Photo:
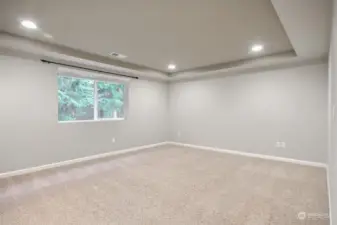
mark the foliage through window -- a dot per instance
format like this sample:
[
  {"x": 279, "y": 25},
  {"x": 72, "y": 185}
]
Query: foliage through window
[
  {"x": 88, "y": 99},
  {"x": 110, "y": 100}
]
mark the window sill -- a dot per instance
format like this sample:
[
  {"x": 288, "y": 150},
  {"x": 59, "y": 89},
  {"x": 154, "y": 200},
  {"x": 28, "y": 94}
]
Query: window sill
[{"x": 92, "y": 121}]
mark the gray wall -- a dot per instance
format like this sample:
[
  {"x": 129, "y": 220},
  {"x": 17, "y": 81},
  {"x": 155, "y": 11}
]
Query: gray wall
[
  {"x": 250, "y": 112},
  {"x": 333, "y": 118},
  {"x": 247, "y": 112},
  {"x": 30, "y": 135}
]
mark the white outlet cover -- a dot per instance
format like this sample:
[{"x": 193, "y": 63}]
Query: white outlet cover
[{"x": 113, "y": 140}]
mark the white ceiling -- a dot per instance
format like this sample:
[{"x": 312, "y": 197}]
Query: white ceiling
[
  {"x": 154, "y": 33},
  {"x": 308, "y": 25}
]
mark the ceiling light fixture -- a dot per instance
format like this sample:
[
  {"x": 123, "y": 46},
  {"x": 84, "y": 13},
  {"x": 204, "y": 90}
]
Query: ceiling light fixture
[
  {"x": 257, "y": 48},
  {"x": 171, "y": 66},
  {"x": 29, "y": 24}
]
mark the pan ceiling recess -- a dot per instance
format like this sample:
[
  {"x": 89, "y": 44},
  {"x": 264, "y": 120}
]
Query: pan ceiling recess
[{"x": 194, "y": 34}]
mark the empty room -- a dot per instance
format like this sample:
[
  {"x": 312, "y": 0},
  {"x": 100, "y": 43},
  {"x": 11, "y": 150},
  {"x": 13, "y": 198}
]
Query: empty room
[{"x": 143, "y": 112}]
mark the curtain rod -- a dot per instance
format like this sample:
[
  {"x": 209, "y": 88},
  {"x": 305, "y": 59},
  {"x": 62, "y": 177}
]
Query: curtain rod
[{"x": 84, "y": 68}]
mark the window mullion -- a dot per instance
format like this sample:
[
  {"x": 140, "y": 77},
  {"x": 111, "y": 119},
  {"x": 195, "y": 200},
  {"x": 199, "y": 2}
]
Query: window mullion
[{"x": 95, "y": 101}]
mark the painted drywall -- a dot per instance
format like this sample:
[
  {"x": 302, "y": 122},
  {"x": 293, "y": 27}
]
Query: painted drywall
[
  {"x": 333, "y": 118},
  {"x": 31, "y": 136},
  {"x": 247, "y": 112},
  {"x": 251, "y": 112}
]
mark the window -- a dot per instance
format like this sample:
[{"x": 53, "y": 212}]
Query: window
[
  {"x": 84, "y": 99},
  {"x": 110, "y": 97}
]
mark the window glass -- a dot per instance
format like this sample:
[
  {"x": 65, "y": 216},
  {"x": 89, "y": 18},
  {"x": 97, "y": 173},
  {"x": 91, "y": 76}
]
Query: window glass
[
  {"x": 75, "y": 98},
  {"x": 110, "y": 100},
  {"x": 89, "y": 99}
]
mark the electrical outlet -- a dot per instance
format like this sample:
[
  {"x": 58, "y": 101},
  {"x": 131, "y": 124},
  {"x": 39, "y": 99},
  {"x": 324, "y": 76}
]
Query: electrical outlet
[
  {"x": 113, "y": 140},
  {"x": 280, "y": 144},
  {"x": 179, "y": 134}
]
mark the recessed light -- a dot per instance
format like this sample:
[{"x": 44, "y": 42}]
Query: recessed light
[
  {"x": 29, "y": 24},
  {"x": 257, "y": 48},
  {"x": 171, "y": 66}
]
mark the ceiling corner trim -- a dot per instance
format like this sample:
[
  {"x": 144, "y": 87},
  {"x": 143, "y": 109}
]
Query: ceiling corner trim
[
  {"x": 38, "y": 50},
  {"x": 251, "y": 67}
]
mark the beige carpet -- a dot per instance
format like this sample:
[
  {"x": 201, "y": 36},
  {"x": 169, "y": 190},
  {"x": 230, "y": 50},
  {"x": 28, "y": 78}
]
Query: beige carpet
[{"x": 169, "y": 185}]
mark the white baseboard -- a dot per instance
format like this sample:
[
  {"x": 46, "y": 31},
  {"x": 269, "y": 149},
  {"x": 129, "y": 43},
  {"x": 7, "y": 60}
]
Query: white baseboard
[
  {"x": 329, "y": 193},
  {"x": 139, "y": 148},
  {"x": 254, "y": 155},
  {"x": 78, "y": 160}
]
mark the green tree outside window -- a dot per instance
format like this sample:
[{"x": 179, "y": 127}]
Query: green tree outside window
[
  {"x": 76, "y": 99},
  {"x": 110, "y": 100}
]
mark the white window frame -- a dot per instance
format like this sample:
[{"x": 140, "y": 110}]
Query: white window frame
[{"x": 95, "y": 76}]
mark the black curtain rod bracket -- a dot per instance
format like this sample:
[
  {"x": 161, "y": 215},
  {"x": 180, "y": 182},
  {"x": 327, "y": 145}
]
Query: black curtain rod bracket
[{"x": 93, "y": 70}]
